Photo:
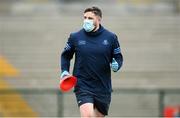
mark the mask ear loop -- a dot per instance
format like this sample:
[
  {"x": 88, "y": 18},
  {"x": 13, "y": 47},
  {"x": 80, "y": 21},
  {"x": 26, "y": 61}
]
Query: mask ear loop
[
  {"x": 94, "y": 26},
  {"x": 99, "y": 19}
]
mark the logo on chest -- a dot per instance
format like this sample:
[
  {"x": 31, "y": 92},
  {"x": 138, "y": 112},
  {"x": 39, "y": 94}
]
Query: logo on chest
[
  {"x": 105, "y": 42},
  {"x": 81, "y": 42}
]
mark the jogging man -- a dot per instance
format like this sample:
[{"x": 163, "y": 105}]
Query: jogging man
[{"x": 96, "y": 50}]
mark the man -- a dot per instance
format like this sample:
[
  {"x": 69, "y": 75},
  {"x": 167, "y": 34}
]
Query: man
[{"x": 96, "y": 51}]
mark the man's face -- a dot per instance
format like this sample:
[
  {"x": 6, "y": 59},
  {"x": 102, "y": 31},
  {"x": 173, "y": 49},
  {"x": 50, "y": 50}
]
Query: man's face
[{"x": 92, "y": 16}]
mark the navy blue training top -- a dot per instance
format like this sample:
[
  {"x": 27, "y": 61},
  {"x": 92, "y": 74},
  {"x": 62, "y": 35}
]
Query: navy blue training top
[{"x": 93, "y": 54}]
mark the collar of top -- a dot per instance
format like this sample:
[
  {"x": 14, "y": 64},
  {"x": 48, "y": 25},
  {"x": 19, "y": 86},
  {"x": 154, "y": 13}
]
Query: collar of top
[{"x": 97, "y": 32}]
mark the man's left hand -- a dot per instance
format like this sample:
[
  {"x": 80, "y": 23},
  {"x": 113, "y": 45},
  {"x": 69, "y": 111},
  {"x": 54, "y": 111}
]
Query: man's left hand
[{"x": 114, "y": 65}]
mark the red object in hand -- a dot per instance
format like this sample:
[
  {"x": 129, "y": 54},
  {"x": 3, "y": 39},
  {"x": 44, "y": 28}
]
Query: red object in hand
[
  {"x": 67, "y": 83},
  {"x": 171, "y": 111}
]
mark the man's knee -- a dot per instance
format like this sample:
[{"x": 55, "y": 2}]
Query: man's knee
[{"x": 87, "y": 110}]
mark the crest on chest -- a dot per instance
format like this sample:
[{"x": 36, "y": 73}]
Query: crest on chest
[{"x": 105, "y": 42}]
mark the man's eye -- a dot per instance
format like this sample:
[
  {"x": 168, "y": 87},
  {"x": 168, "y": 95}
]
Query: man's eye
[{"x": 90, "y": 18}]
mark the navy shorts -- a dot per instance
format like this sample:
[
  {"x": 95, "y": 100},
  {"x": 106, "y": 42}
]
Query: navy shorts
[{"x": 101, "y": 102}]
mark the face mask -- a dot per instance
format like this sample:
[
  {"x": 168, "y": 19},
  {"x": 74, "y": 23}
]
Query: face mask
[{"x": 88, "y": 25}]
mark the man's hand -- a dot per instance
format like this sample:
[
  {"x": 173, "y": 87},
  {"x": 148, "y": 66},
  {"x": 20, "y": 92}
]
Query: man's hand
[
  {"x": 114, "y": 65},
  {"x": 64, "y": 73}
]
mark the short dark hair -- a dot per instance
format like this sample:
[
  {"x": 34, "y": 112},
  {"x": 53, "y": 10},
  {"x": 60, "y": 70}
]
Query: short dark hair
[{"x": 94, "y": 10}]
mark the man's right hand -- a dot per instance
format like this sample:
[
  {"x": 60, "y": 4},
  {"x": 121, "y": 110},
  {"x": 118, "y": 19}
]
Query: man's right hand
[{"x": 64, "y": 73}]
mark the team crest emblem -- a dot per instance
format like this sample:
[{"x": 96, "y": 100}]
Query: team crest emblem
[{"x": 105, "y": 42}]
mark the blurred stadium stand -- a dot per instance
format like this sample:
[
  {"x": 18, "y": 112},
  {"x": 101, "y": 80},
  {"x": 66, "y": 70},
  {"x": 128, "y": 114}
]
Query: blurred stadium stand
[{"x": 33, "y": 34}]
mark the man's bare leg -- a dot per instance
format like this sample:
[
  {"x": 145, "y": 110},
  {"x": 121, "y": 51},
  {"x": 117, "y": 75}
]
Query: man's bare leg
[{"x": 87, "y": 110}]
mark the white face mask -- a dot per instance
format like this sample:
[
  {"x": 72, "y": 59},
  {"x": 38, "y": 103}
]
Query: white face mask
[{"x": 88, "y": 25}]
